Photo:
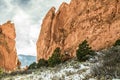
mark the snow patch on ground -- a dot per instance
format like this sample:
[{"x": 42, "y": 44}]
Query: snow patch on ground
[{"x": 70, "y": 70}]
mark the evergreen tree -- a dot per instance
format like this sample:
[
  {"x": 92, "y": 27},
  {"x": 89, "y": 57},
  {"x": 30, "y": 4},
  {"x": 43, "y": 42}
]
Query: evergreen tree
[
  {"x": 117, "y": 43},
  {"x": 84, "y": 51},
  {"x": 55, "y": 58},
  {"x": 42, "y": 62},
  {"x": 33, "y": 66}
]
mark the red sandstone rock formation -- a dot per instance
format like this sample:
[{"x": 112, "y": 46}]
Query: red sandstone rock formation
[
  {"x": 8, "y": 56},
  {"x": 97, "y": 21}
]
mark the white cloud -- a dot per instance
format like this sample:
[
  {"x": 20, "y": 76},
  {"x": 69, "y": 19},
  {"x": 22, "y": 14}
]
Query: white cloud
[{"x": 27, "y": 18}]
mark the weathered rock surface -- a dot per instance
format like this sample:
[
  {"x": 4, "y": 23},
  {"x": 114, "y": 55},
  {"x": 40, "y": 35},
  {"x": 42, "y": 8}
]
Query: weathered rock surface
[
  {"x": 97, "y": 21},
  {"x": 8, "y": 55}
]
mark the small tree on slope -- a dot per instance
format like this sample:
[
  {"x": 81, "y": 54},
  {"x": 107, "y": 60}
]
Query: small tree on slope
[
  {"x": 55, "y": 58},
  {"x": 84, "y": 51}
]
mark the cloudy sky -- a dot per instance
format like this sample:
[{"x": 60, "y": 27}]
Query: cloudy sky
[{"x": 27, "y": 16}]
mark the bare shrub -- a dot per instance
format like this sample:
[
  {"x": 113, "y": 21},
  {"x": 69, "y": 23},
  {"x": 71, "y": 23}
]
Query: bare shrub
[{"x": 109, "y": 64}]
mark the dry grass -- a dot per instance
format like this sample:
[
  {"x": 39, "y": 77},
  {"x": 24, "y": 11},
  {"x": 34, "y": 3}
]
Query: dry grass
[{"x": 109, "y": 64}]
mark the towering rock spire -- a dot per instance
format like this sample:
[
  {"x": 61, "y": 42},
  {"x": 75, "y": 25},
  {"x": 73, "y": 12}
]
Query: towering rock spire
[
  {"x": 8, "y": 55},
  {"x": 97, "y": 21}
]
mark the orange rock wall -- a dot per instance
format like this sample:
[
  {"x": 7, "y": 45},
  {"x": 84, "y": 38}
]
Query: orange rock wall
[
  {"x": 8, "y": 55},
  {"x": 97, "y": 21}
]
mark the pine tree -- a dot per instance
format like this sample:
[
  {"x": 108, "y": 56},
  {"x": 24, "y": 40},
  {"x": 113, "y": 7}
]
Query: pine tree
[
  {"x": 42, "y": 62},
  {"x": 84, "y": 51},
  {"x": 55, "y": 58},
  {"x": 117, "y": 43}
]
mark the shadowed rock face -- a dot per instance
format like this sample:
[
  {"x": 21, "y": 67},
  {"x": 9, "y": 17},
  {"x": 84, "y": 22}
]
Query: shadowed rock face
[
  {"x": 8, "y": 56},
  {"x": 97, "y": 21}
]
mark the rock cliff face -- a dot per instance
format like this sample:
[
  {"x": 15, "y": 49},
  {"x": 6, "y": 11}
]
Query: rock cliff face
[
  {"x": 97, "y": 21},
  {"x": 8, "y": 56}
]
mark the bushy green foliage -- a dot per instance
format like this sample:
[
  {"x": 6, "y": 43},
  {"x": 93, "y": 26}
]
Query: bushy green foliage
[
  {"x": 42, "y": 62},
  {"x": 55, "y": 58},
  {"x": 84, "y": 51},
  {"x": 52, "y": 61},
  {"x": 33, "y": 66},
  {"x": 1, "y": 71},
  {"x": 117, "y": 43}
]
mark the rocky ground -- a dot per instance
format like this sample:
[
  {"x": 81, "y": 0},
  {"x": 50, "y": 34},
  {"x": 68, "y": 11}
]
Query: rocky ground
[{"x": 70, "y": 70}]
